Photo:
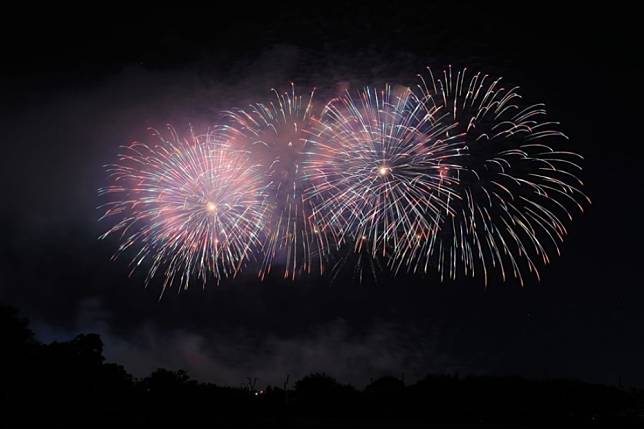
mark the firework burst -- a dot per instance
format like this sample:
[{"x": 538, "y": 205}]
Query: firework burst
[
  {"x": 458, "y": 176},
  {"x": 517, "y": 188},
  {"x": 189, "y": 207},
  {"x": 377, "y": 170},
  {"x": 276, "y": 135}
]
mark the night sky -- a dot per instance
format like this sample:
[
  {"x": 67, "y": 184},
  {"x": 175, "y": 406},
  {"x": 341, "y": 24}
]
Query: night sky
[{"x": 75, "y": 85}]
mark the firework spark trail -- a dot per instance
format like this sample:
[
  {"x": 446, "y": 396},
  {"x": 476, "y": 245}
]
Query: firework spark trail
[
  {"x": 191, "y": 206},
  {"x": 276, "y": 135},
  {"x": 376, "y": 170},
  {"x": 518, "y": 189}
]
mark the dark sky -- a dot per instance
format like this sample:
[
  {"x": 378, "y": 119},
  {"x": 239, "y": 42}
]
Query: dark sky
[{"x": 77, "y": 84}]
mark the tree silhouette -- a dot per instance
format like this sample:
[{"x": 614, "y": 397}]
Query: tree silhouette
[
  {"x": 69, "y": 384},
  {"x": 385, "y": 386}
]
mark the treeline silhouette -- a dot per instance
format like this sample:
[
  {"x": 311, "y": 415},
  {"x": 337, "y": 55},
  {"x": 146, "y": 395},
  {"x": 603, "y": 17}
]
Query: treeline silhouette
[{"x": 69, "y": 384}]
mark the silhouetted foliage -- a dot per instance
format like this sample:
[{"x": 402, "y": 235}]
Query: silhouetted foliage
[
  {"x": 320, "y": 394},
  {"x": 70, "y": 384},
  {"x": 385, "y": 386}
]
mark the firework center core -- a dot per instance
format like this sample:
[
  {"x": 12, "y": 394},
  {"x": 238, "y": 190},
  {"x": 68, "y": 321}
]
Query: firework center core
[
  {"x": 383, "y": 170},
  {"x": 211, "y": 207}
]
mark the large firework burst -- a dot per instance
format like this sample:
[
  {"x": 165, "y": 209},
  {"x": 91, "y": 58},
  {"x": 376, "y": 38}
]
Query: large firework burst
[
  {"x": 458, "y": 176},
  {"x": 378, "y": 169},
  {"x": 187, "y": 206},
  {"x": 517, "y": 187},
  {"x": 276, "y": 134}
]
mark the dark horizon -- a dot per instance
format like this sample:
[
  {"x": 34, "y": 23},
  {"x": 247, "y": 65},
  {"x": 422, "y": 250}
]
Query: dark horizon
[
  {"x": 75, "y": 89},
  {"x": 52, "y": 376}
]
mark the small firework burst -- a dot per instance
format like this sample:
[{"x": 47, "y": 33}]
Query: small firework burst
[
  {"x": 276, "y": 135},
  {"x": 516, "y": 187},
  {"x": 187, "y": 206},
  {"x": 377, "y": 170}
]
